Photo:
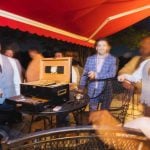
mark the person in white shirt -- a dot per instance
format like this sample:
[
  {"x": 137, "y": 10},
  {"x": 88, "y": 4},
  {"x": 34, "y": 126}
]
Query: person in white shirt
[
  {"x": 141, "y": 74},
  {"x": 63, "y": 119},
  {"x": 18, "y": 71},
  {"x": 7, "y": 89},
  {"x": 75, "y": 72},
  {"x": 17, "y": 76},
  {"x": 7, "y": 86},
  {"x": 136, "y": 76}
]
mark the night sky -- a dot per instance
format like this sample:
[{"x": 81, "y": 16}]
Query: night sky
[
  {"x": 144, "y": 24},
  {"x": 120, "y": 49}
]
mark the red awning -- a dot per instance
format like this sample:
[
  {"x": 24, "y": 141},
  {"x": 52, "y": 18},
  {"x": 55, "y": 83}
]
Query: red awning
[{"x": 76, "y": 21}]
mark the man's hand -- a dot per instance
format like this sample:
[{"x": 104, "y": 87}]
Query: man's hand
[
  {"x": 127, "y": 85},
  {"x": 91, "y": 75},
  {"x": 121, "y": 78}
]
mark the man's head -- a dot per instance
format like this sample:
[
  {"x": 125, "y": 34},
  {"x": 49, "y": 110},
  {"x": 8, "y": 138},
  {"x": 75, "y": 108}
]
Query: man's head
[
  {"x": 102, "y": 46},
  {"x": 73, "y": 54},
  {"x": 58, "y": 54},
  {"x": 33, "y": 52},
  {"x": 9, "y": 53},
  {"x": 145, "y": 46}
]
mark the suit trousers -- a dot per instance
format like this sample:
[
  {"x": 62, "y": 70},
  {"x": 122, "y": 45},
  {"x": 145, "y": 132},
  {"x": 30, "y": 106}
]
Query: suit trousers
[{"x": 104, "y": 98}]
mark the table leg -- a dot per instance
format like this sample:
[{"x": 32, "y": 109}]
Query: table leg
[
  {"x": 78, "y": 116},
  {"x": 30, "y": 126}
]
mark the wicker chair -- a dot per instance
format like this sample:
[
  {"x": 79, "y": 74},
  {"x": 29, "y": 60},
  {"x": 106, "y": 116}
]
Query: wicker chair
[{"x": 79, "y": 138}]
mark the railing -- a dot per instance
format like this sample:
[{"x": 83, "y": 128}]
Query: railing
[{"x": 80, "y": 138}]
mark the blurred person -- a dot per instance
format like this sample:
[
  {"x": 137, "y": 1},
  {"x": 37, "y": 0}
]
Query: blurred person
[
  {"x": 9, "y": 53},
  {"x": 103, "y": 122},
  {"x": 75, "y": 61},
  {"x": 135, "y": 79},
  {"x": 33, "y": 69},
  {"x": 7, "y": 89},
  {"x": 76, "y": 69},
  {"x": 18, "y": 70},
  {"x": 63, "y": 119},
  {"x": 75, "y": 73},
  {"x": 102, "y": 65},
  {"x": 141, "y": 74},
  {"x": 58, "y": 54},
  {"x": 134, "y": 63}
]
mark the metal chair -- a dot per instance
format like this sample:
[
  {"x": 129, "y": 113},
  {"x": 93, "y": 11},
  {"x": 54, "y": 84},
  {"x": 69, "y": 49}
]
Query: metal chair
[
  {"x": 124, "y": 96},
  {"x": 115, "y": 91},
  {"x": 80, "y": 138}
]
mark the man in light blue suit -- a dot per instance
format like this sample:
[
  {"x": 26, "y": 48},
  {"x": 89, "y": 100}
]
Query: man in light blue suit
[
  {"x": 100, "y": 66},
  {"x": 8, "y": 114},
  {"x": 7, "y": 88}
]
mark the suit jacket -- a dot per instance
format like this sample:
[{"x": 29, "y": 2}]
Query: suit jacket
[
  {"x": 108, "y": 70},
  {"x": 6, "y": 79}
]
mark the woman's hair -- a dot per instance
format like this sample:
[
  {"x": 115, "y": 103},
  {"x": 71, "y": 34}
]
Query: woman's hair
[{"x": 102, "y": 39}]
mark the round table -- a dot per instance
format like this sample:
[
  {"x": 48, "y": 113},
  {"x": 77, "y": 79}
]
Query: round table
[{"x": 71, "y": 106}]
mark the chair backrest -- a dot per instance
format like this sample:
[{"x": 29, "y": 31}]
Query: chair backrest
[
  {"x": 120, "y": 96},
  {"x": 79, "y": 138}
]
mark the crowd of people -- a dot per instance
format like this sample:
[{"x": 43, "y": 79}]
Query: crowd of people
[
  {"x": 32, "y": 72},
  {"x": 97, "y": 68}
]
